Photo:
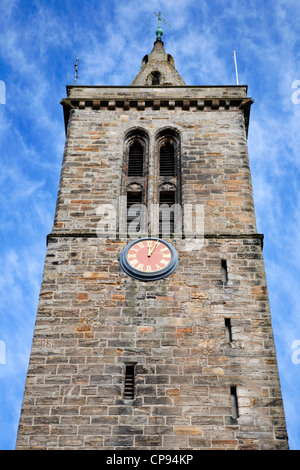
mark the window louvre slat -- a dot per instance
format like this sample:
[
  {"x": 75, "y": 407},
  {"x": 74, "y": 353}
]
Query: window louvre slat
[
  {"x": 136, "y": 160},
  {"x": 167, "y": 167}
]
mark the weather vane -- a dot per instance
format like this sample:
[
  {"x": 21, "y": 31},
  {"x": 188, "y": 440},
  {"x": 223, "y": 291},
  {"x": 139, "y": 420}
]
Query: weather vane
[
  {"x": 159, "y": 31},
  {"x": 76, "y": 70}
]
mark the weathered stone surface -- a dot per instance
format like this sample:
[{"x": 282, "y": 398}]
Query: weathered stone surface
[{"x": 188, "y": 380}]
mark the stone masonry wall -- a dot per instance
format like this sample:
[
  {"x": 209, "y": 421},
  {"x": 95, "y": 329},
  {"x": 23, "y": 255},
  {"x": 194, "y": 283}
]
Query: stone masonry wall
[{"x": 93, "y": 319}]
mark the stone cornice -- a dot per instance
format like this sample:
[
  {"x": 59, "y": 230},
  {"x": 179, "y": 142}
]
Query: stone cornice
[{"x": 209, "y": 103}]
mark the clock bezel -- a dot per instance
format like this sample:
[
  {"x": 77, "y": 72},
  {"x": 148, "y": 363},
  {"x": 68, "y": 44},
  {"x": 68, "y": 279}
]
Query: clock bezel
[{"x": 149, "y": 276}]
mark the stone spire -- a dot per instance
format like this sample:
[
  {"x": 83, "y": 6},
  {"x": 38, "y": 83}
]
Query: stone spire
[{"x": 158, "y": 68}]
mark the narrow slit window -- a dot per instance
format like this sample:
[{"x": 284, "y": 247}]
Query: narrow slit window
[
  {"x": 136, "y": 159},
  {"x": 166, "y": 213},
  {"x": 129, "y": 382},
  {"x": 234, "y": 403},
  {"x": 167, "y": 164},
  {"x": 224, "y": 270},
  {"x": 228, "y": 330},
  {"x": 134, "y": 211}
]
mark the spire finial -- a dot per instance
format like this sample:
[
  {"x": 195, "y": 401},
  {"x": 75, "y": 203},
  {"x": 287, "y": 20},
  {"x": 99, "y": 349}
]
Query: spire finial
[{"x": 159, "y": 31}]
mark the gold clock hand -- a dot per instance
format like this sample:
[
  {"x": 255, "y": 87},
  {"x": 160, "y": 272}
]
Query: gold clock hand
[{"x": 155, "y": 245}]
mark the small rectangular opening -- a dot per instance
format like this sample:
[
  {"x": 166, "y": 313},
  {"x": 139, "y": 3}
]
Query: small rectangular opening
[
  {"x": 224, "y": 270},
  {"x": 228, "y": 330},
  {"x": 166, "y": 214},
  {"x": 129, "y": 382},
  {"x": 234, "y": 402},
  {"x": 134, "y": 211}
]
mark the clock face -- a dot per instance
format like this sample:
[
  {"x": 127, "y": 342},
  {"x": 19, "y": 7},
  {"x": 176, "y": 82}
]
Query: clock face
[
  {"x": 149, "y": 256},
  {"x": 149, "y": 259}
]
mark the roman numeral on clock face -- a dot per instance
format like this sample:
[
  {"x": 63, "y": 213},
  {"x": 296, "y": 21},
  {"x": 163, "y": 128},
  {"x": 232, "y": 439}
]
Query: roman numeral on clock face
[
  {"x": 134, "y": 262},
  {"x": 163, "y": 261}
]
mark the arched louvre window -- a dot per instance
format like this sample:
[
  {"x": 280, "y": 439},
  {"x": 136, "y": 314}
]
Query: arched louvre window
[
  {"x": 166, "y": 160},
  {"x": 168, "y": 174},
  {"x": 136, "y": 159},
  {"x": 134, "y": 183}
]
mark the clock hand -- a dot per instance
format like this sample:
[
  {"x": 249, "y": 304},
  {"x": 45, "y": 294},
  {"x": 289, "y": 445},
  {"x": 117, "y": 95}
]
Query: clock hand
[{"x": 151, "y": 251}]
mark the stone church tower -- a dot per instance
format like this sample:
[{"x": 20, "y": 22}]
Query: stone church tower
[{"x": 153, "y": 328}]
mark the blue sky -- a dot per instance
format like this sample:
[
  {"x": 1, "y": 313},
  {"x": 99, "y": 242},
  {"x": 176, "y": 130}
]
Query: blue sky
[{"x": 39, "y": 43}]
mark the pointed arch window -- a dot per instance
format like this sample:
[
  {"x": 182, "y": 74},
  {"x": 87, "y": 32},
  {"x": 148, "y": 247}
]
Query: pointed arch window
[
  {"x": 168, "y": 150},
  {"x": 166, "y": 159},
  {"x": 168, "y": 174},
  {"x": 132, "y": 219},
  {"x": 135, "y": 154}
]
